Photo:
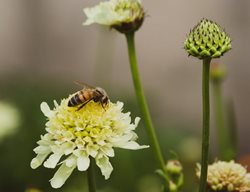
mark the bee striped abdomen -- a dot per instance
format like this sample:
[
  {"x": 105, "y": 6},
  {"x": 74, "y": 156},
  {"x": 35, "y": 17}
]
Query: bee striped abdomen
[
  {"x": 83, "y": 97},
  {"x": 76, "y": 100}
]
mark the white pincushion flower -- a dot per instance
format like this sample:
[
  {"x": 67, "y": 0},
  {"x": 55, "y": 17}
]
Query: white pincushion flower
[
  {"x": 227, "y": 176},
  {"x": 74, "y": 136},
  {"x": 123, "y": 15}
]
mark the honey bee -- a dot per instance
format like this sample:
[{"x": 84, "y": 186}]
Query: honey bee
[{"x": 87, "y": 94}]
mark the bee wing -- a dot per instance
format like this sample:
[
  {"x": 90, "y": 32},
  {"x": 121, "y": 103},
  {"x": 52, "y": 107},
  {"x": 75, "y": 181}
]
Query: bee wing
[{"x": 84, "y": 85}]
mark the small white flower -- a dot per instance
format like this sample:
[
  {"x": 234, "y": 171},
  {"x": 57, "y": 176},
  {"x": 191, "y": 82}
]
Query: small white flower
[
  {"x": 74, "y": 136},
  {"x": 123, "y": 15},
  {"x": 227, "y": 176}
]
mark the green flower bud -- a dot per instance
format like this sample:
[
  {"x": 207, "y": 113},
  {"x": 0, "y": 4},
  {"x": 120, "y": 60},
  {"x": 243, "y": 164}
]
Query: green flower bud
[
  {"x": 173, "y": 187},
  {"x": 207, "y": 40},
  {"x": 174, "y": 167},
  {"x": 174, "y": 171}
]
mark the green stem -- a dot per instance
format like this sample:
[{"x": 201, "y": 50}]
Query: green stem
[
  {"x": 223, "y": 135},
  {"x": 91, "y": 177},
  {"x": 232, "y": 126},
  {"x": 142, "y": 102},
  {"x": 206, "y": 119}
]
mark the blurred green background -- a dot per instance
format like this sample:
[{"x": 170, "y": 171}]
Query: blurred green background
[{"x": 44, "y": 49}]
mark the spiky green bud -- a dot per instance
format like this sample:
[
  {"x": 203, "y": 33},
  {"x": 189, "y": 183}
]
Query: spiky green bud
[{"x": 207, "y": 40}]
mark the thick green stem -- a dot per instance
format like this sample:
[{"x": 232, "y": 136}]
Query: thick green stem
[
  {"x": 225, "y": 151},
  {"x": 142, "y": 102},
  {"x": 91, "y": 177},
  {"x": 206, "y": 119}
]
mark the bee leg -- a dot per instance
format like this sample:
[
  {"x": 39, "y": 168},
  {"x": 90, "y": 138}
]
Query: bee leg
[
  {"x": 82, "y": 105},
  {"x": 103, "y": 106}
]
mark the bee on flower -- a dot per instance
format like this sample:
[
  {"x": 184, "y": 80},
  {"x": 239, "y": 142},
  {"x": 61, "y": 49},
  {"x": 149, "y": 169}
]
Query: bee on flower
[{"x": 74, "y": 136}]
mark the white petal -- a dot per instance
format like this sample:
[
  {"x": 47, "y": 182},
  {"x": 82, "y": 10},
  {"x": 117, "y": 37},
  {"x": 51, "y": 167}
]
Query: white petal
[
  {"x": 38, "y": 160},
  {"x": 123, "y": 138},
  {"x": 83, "y": 163},
  {"x": 61, "y": 175},
  {"x": 42, "y": 149},
  {"x": 92, "y": 150},
  {"x": 135, "y": 124},
  {"x": 52, "y": 161},
  {"x": 137, "y": 120},
  {"x": 105, "y": 166},
  {"x": 109, "y": 151},
  {"x": 131, "y": 145},
  {"x": 101, "y": 14},
  {"x": 120, "y": 104},
  {"x": 71, "y": 161},
  {"x": 68, "y": 147},
  {"x": 46, "y": 110}
]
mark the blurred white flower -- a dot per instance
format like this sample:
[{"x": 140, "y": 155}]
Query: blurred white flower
[
  {"x": 79, "y": 135},
  {"x": 120, "y": 14},
  {"x": 9, "y": 119},
  {"x": 227, "y": 176}
]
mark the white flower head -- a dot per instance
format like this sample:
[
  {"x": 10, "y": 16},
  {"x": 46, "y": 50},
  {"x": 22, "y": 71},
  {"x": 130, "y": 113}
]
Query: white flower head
[
  {"x": 227, "y": 176},
  {"x": 124, "y": 15},
  {"x": 74, "y": 136}
]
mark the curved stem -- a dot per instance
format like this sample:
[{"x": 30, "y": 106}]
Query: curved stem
[
  {"x": 91, "y": 177},
  {"x": 206, "y": 119},
  {"x": 142, "y": 102}
]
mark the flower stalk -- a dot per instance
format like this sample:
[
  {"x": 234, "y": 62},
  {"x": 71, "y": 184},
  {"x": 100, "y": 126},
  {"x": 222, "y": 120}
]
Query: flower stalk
[
  {"x": 207, "y": 40},
  {"x": 143, "y": 104},
  {"x": 206, "y": 124},
  {"x": 91, "y": 176}
]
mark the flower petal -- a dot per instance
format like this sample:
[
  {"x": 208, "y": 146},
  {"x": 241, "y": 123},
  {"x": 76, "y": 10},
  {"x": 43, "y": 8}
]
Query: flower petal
[
  {"x": 108, "y": 150},
  {"x": 38, "y": 160},
  {"x": 52, "y": 161},
  {"x": 61, "y": 175},
  {"x": 68, "y": 147},
  {"x": 83, "y": 163},
  {"x": 41, "y": 149},
  {"x": 46, "y": 110},
  {"x": 132, "y": 145},
  {"x": 105, "y": 166},
  {"x": 71, "y": 161},
  {"x": 101, "y": 14},
  {"x": 92, "y": 150}
]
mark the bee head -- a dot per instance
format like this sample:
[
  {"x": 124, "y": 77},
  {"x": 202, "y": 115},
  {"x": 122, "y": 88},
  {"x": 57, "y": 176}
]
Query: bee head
[{"x": 103, "y": 95}]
